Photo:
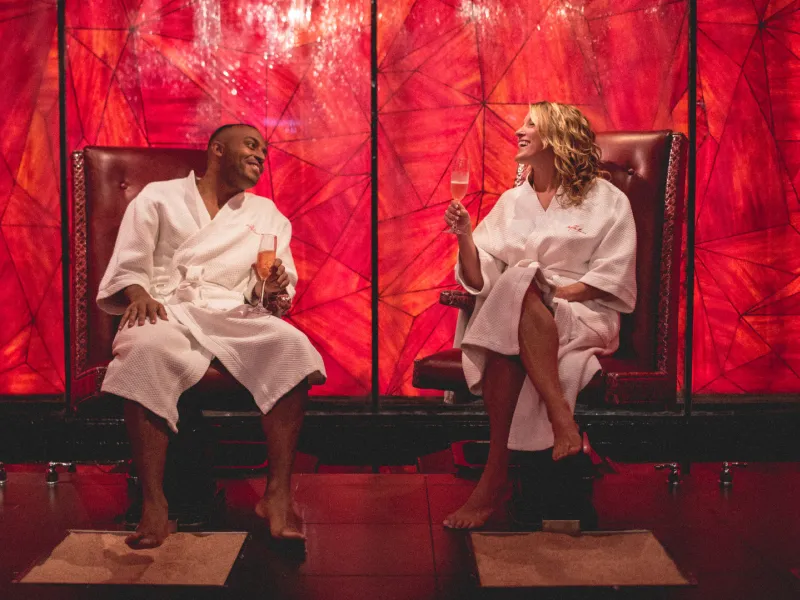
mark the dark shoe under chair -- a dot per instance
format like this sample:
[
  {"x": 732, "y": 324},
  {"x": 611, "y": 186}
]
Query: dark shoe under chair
[{"x": 544, "y": 489}]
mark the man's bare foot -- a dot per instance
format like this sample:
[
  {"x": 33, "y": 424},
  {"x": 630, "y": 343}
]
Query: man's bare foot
[
  {"x": 477, "y": 509},
  {"x": 567, "y": 438},
  {"x": 284, "y": 522},
  {"x": 153, "y": 528}
]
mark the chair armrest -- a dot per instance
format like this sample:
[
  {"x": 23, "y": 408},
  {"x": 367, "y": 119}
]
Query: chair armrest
[
  {"x": 457, "y": 298},
  {"x": 645, "y": 387}
]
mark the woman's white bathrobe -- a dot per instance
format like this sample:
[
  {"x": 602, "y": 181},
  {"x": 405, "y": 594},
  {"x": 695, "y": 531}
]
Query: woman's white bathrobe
[
  {"x": 200, "y": 269},
  {"x": 519, "y": 243}
]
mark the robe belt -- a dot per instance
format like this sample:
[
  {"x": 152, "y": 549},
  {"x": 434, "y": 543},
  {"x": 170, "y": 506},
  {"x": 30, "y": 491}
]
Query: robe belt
[{"x": 190, "y": 289}]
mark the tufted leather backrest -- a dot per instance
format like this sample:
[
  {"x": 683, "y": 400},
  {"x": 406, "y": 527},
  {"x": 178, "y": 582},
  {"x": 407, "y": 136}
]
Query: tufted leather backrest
[
  {"x": 638, "y": 164},
  {"x": 105, "y": 180}
]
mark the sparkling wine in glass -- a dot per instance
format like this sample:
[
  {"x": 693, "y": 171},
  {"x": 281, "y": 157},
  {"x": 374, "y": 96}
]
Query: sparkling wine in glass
[
  {"x": 459, "y": 180},
  {"x": 267, "y": 251}
]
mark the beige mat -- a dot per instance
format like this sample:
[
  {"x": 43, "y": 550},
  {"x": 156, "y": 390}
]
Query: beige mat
[
  {"x": 597, "y": 559},
  {"x": 101, "y": 557}
]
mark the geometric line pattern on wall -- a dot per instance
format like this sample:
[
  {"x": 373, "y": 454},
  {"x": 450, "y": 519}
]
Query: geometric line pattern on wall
[
  {"x": 32, "y": 336},
  {"x": 747, "y": 278},
  {"x": 464, "y": 85},
  {"x": 164, "y": 73}
]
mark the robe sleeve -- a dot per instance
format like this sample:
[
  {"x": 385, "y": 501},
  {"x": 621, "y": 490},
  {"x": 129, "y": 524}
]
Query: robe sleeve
[
  {"x": 491, "y": 267},
  {"x": 284, "y": 252},
  {"x": 132, "y": 260},
  {"x": 612, "y": 266}
]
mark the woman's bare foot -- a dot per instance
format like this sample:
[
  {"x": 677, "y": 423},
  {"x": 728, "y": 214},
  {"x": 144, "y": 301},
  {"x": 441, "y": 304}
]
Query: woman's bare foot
[
  {"x": 567, "y": 438},
  {"x": 478, "y": 507},
  {"x": 284, "y": 522},
  {"x": 153, "y": 527}
]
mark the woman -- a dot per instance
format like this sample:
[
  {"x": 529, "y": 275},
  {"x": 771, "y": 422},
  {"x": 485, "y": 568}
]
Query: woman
[{"x": 552, "y": 266}]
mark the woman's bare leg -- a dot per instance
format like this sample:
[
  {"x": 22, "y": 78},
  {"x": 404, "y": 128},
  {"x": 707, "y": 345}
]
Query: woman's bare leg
[
  {"x": 502, "y": 383},
  {"x": 503, "y": 380},
  {"x": 538, "y": 344}
]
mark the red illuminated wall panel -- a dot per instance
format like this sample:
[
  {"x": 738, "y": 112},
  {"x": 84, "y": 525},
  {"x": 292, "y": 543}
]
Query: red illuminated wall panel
[
  {"x": 32, "y": 331},
  {"x": 459, "y": 75},
  {"x": 451, "y": 75},
  {"x": 168, "y": 73},
  {"x": 747, "y": 302}
]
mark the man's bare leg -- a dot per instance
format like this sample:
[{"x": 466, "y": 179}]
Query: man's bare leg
[
  {"x": 282, "y": 429},
  {"x": 538, "y": 343},
  {"x": 502, "y": 383},
  {"x": 149, "y": 437}
]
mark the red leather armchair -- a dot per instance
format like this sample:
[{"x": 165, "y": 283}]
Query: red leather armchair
[
  {"x": 104, "y": 181},
  {"x": 650, "y": 167}
]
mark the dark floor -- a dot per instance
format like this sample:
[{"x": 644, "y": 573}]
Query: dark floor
[{"x": 379, "y": 536}]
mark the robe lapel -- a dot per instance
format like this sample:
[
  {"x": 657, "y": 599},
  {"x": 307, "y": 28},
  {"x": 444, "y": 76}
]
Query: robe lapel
[
  {"x": 527, "y": 207},
  {"x": 205, "y": 224},
  {"x": 194, "y": 203}
]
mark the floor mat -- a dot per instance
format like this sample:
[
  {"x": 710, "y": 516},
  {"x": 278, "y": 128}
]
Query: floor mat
[
  {"x": 102, "y": 557},
  {"x": 597, "y": 559}
]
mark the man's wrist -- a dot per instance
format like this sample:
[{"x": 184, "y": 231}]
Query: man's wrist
[
  {"x": 255, "y": 296},
  {"x": 135, "y": 292}
]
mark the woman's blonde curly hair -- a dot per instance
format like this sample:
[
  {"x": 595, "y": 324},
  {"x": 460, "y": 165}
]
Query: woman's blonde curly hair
[{"x": 566, "y": 130}]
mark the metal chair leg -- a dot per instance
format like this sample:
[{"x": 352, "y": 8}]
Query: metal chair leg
[
  {"x": 674, "y": 477},
  {"x": 51, "y": 475},
  {"x": 726, "y": 473}
]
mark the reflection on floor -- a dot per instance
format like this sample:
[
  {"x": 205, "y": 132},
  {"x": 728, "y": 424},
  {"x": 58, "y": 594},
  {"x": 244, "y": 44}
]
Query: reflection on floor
[{"x": 377, "y": 536}]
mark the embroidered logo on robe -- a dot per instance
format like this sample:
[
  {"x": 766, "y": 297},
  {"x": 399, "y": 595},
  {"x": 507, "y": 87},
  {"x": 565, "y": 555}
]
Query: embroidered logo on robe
[
  {"x": 253, "y": 229},
  {"x": 577, "y": 228}
]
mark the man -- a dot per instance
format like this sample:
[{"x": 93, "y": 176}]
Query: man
[{"x": 183, "y": 278}]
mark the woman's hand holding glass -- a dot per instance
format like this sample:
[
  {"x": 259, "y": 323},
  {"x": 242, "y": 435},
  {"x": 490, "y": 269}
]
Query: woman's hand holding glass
[{"x": 457, "y": 218}]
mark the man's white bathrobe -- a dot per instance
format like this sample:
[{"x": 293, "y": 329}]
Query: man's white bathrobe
[
  {"x": 200, "y": 269},
  {"x": 520, "y": 243}
]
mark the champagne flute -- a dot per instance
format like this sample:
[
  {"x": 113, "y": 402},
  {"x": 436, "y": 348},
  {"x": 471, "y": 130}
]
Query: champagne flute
[
  {"x": 459, "y": 180},
  {"x": 267, "y": 251}
]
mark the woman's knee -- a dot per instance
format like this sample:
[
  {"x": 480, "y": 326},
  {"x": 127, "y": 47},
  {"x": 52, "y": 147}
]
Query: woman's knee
[
  {"x": 533, "y": 294},
  {"x": 533, "y": 306},
  {"x": 536, "y": 317}
]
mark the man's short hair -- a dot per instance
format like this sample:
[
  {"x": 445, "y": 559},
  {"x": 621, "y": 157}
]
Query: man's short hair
[{"x": 220, "y": 130}]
